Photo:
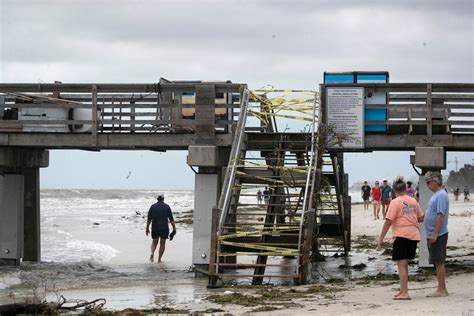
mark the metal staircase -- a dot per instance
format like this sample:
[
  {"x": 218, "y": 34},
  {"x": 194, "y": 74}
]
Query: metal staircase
[
  {"x": 271, "y": 239},
  {"x": 333, "y": 211}
]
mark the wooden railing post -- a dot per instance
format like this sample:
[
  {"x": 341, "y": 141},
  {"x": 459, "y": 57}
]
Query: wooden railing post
[
  {"x": 216, "y": 214},
  {"x": 429, "y": 111},
  {"x": 94, "y": 115},
  {"x": 205, "y": 113}
]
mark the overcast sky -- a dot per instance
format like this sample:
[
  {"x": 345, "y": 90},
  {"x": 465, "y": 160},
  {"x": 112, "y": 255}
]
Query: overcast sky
[{"x": 288, "y": 44}]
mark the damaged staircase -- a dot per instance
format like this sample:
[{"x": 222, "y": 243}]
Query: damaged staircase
[{"x": 268, "y": 222}]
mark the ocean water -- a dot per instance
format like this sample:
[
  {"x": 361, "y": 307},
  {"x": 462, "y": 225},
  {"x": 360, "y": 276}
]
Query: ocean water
[
  {"x": 86, "y": 225},
  {"x": 93, "y": 242}
]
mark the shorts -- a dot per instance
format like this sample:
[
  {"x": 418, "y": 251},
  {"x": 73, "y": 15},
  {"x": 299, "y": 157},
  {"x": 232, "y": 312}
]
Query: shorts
[
  {"x": 404, "y": 248},
  {"x": 376, "y": 202},
  {"x": 437, "y": 249},
  {"x": 386, "y": 202},
  {"x": 160, "y": 233},
  {"x": 366, "y": 198}
]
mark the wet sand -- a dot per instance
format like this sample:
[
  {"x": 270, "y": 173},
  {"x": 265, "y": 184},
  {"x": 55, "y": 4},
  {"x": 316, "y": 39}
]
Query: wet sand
[{"x": 128, "y": 281}]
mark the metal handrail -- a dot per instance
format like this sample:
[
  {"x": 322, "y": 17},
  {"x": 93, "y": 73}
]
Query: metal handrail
[{"x": 307, "y": 201}]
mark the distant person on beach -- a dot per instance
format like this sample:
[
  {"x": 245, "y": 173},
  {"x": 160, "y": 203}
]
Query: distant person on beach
[
  {"x": 376, "y": 196},
  {"x": 266, "y": 195},
  {"x": 386, "y": 196},
  {"x": 456, "y": 193},
  {"x": 436, "y": 228},
  {"x": 366, "y": 195},
  {"x": 158, "y": 217},
  {"x": 410, "y": 190},
  {"x": 417, "y": 192},
  {"x": 466, "y": 194},
  {"x": 259, "y": 197},
  {"x": 403, "y": 215}
]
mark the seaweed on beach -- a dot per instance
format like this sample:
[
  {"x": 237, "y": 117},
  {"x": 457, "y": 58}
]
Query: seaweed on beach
[
  {"x": 364, "y": 242},
  {"x": 272, "y": 297},
  {"x": 266, "y": 308},
  {"x": 209, "y": 310},
  {"x": 236, "y": 299}
]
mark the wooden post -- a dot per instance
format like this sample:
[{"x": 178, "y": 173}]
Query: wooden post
[
  {"x": 205, "y": 113},
  {"x": 429, "y": 111},
  {"x": 309, "y": 230},
  {"x": 94, "y": 115},
  {"x": 216, "y": 214},
  {"x": 120, "y": 115},
  {"x": 307, "y": 244},
  {"x": 132, "y": 116}
]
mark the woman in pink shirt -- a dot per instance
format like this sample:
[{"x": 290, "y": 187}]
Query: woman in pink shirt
[
  {"x": 410, "y": 190},
  {"x": 403, "y": 215}
]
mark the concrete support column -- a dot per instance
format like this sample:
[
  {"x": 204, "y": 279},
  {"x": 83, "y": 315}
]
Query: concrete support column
[
  {"x": 428, "y": 159},
  {"x": 20, "y": 204},
  {"x": 425, "y": 195},
  {"x": 32, "y": 229},
  {"x": 207, "y": 189},
  {"x": 206, "y": 195},
  {"x": 11, "y": 219}
]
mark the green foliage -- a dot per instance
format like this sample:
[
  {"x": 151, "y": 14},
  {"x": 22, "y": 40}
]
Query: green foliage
[{"x": 463, "y": 177}]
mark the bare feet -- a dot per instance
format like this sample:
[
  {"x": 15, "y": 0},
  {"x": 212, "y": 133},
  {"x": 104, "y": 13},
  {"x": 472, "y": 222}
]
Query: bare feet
[
  {"x": 438, "y": 294},
  {"x": 401, "y": 296},
  {"x": 151, "y": 258}
]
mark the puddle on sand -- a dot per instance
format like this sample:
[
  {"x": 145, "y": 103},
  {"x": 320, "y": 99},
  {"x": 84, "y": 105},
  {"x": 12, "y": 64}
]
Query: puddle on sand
[{"x": 358, "y": 264}]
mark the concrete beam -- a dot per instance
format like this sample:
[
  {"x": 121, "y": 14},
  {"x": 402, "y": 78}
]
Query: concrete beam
[
  {"x": 23, "y": 157},
  {"x": 203, "y": 156},
  {"x": 430, "y": 158},
  {"x": 152, "y": 141}
]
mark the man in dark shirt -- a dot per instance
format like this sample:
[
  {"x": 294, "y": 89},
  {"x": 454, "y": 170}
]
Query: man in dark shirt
[
  {"x": 158, "y": 217},
  {"x": 366, "y": 195}
]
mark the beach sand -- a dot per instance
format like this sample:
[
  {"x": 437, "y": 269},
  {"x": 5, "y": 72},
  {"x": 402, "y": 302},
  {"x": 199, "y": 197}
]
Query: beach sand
[{"x": 128, "y": 281}]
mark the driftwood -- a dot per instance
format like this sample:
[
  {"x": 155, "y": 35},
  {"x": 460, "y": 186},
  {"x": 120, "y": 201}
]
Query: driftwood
[{"x": 62, "y": 305}]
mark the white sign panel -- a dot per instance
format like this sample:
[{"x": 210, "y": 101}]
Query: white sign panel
[{"x": 345, "y": 111}]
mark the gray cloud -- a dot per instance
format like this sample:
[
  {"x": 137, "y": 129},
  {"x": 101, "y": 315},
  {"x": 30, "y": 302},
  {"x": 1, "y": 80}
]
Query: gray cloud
[{"x": 285, "y": 43}]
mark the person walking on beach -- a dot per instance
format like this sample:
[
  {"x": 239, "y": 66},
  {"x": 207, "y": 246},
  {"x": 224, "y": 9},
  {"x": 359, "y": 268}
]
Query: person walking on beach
[
  {"x": 410, "y": 190},
  {"x": 436, "y": 228},
  {"x": 376, "y": 195},
  {"x": 456, "y": 193},
  {"x": 466, "y": 194},
  {"x": 259, "y": 197},
  {"x": 404, "y": 215},
  {"x": 158, "y": 217},
  {"x": 386, "y": 196},
  {"x": 366, "y": 195},
  {"x": 266, "y": 195}
]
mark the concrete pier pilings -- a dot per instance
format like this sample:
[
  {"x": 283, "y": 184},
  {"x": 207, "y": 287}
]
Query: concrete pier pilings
[{"x": 20, "y": 204}]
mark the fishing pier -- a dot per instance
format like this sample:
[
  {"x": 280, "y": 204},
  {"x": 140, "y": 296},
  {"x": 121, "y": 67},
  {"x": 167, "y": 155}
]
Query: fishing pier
[{"x": 235, "y": 140}]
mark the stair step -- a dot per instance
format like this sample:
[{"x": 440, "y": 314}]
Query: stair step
[
  {"x": 280, "y": 276},
  {"x": 254, "y": 265},
  {"x": 269, "y": 214},
  {"x": 276, "y": 233},
  {"x": 262, "y": 224},
  {"x": 288, "y": 195},
  {"x": 256, "y": 253},
  {"x": 264, "y": 205},
  {"x": 290, "y": 246}
]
